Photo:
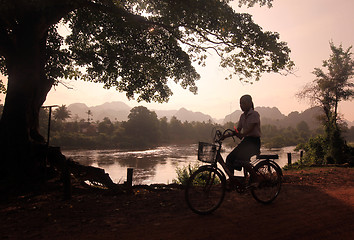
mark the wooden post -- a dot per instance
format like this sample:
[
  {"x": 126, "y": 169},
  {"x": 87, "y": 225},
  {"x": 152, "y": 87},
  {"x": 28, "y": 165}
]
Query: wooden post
[
  {"x": 129, "y": 178},
  {"x": 66, "y": 181},
  {"x": 289, "y": 158}
]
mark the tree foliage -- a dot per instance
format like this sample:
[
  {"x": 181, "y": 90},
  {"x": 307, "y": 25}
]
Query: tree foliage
[
  {"x": 137, "y": 46},
  {"x": 327, "y": 91},
  {"x": 61, "y": 113},
  {"x": 134, "y": 46},
  {"x": 333, "y": 86},
  {"x": 143, "y": 125},
  {"x": 143, "y": 130},
  {"x": 2, "y": 87}
]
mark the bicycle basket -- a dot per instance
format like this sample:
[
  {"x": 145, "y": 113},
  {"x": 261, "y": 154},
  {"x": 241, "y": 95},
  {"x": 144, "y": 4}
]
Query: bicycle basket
[{"x": 206, "y": 152}]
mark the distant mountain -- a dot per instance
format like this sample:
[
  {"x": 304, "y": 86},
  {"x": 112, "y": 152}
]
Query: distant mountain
[
  {"x": 119, "y": 111},
  {"x": 121, "y": 106},
  {"x": 184, "y": 115},
  {"x": 270, "y": 113},
  {"x": 165, "y": 113},
  {"x": 78, "y": 111},
  {"x": 273, "y": 116},
  {"x": 264, "y": 112},
  {"x": 116, "y": 111},
  {"x": 233, "y": 117},
  {"x": 310, "y": 116},
  {"x": 189, "y": 116}
]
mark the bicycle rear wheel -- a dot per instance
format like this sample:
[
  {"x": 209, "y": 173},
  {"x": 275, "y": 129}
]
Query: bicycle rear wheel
[
  {"x": 268, "y": 182},
  {"x": 205, "y": 190}
]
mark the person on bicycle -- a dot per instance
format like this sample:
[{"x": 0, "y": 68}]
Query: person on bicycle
[{"x": 249, "y": 131}]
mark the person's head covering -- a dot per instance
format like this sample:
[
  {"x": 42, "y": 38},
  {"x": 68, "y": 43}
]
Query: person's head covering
[{"x": 248, "y": 98}]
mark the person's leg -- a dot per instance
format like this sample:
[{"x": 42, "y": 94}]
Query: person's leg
[
  {"x": 247, "y": 148},
  {"x": 233, "y": 160},
  {"x": 230, "y": 160},
  {"x": 252, "y": 147}
]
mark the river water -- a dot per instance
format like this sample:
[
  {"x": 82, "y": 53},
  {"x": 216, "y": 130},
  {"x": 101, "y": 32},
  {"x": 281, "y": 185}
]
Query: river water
[{"x": 156, "y": 165}]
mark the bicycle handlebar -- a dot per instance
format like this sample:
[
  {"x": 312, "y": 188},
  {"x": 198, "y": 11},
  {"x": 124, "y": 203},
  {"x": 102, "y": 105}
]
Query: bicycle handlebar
[{"x": 219, "y": 137}]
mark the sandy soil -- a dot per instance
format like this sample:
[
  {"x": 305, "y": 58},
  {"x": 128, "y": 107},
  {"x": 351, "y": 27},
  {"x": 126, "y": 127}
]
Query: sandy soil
[{"x": 316, "y": 203}]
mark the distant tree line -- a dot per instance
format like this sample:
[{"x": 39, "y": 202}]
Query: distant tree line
[{"x": 144, "y": 129}]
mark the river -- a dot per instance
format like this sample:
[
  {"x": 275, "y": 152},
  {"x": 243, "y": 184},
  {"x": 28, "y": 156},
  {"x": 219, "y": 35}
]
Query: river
[{"x": 153, "y": 165}]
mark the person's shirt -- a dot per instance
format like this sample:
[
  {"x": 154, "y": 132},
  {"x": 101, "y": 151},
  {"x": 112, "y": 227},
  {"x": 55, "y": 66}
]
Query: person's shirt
[{"x": 246, "y": 122}]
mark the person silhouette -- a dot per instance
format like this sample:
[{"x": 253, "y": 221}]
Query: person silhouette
[{"x": 249, "y": 131}]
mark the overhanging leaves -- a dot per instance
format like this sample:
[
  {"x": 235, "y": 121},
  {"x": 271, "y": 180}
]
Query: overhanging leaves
[{"x": 137, "y": 46}]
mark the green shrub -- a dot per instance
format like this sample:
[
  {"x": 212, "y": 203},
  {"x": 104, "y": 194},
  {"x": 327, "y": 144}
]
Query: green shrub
[
  {"x": 315, "y": 150},
  {"x": 183, "y": 173}
]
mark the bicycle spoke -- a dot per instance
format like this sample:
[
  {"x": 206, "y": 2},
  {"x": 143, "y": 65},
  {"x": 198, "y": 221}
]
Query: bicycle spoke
[
  {"x": 268, "y": 182},
  {"x": 205, "y": 190}
]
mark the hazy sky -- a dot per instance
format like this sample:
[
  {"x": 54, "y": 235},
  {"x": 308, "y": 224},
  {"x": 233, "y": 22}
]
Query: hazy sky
[{"x": 306, "y": 25}]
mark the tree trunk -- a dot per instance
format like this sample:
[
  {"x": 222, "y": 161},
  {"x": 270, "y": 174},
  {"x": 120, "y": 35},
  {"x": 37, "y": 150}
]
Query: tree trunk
[
  {"x": 336, "y": 110},
  {"x": 21, "y": 144}
]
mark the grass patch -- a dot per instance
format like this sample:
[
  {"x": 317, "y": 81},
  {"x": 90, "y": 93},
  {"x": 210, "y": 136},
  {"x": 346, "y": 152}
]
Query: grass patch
[{"x": 183, "y": 173}]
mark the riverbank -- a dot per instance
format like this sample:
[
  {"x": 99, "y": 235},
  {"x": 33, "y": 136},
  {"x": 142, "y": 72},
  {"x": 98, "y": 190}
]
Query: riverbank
[
  {"x": 315, "y": 203},
  {"x": 157, "y": 165}
]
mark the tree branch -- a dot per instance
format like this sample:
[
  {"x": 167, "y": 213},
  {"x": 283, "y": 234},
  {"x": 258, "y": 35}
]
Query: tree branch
[{"x": 112, "y": 8}]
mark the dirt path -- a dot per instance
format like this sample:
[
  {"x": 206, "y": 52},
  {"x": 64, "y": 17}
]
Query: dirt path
[{"x": 313, "y": 204}]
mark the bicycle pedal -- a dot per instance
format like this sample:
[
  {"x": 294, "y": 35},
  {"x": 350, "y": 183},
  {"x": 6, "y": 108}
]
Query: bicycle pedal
[{"x": 240, "y": 189}]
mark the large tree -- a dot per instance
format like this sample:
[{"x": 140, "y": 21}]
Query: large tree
[
  {"x": 135, "y": 46},
  {"x": 331, "y": 87},
  {"x": 327, "y": 90},
  {"x": 142, "y": 126}
]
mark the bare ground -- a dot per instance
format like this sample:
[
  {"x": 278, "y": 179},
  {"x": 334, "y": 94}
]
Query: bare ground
[{"x": 316, "y": 203}]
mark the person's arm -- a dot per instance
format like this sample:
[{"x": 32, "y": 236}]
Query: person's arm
[
  {"x": 229, "y": 134},
  {"x": 245, "y": 133},
  {"x": 239, "y": 128}
]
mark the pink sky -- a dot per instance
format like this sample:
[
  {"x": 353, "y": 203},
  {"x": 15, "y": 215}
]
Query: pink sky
[{"x": 307, "y": 27}]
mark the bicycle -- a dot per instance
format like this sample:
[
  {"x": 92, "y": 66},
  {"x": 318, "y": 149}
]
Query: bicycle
[{"x": 206, "y": 187}]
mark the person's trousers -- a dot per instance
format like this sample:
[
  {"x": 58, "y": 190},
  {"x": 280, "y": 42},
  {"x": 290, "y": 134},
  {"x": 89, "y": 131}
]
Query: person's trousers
[{"x": 247, "y": 148}]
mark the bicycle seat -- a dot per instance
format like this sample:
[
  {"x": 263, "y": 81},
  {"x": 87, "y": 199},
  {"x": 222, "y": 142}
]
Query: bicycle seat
[{"x": 270, "y": 156}]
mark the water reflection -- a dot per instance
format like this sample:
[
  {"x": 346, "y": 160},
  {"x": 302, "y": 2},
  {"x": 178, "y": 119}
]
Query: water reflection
[
  {"x": 150, "y": 166},
  {"x": 154, "y": 165}
]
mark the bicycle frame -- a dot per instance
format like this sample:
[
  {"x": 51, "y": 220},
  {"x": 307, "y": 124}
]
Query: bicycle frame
[
  {"x": 206, "y": 187},
  {"x": 221, "y": 161}
]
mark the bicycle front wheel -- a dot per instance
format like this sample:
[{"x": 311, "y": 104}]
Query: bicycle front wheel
[
  {"x": 268, "y": 182},
  {"x": 205, "y": 190}
]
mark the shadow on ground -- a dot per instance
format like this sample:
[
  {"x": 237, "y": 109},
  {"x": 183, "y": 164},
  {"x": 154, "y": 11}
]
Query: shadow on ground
[{"x": 300, "y": 212}]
